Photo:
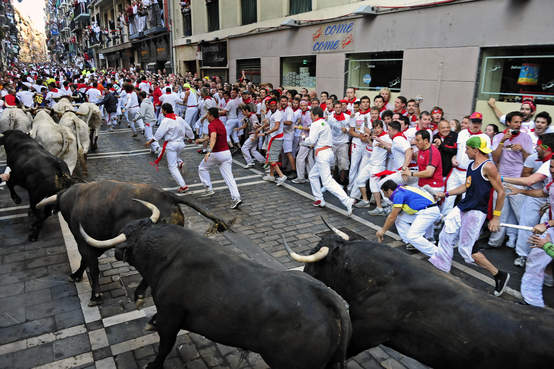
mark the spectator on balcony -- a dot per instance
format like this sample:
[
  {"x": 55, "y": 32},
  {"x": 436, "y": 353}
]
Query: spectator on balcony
[{"x": 131, "y": 19}]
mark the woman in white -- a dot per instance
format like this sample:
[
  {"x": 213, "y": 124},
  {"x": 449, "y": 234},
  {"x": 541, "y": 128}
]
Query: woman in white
[{"x": 172, "y": 131}]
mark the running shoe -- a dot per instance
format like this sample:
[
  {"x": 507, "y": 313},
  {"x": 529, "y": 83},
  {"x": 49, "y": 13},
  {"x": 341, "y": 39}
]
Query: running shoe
[
  {"x": 236, "y": 204},
  {"x": 279, "y": 181},
  {"x": 250, "y": 165},
  {"x": 318, "y": 203},
  {"x": 362, "y": 204},
  {"x": 207, "y": 192},
  {"x": 349, "y": 204},
  {"x": 299, "y": 180},
  {"x": 183, "y": 189},
  {"x": 268, "y": 178},
  {"x": 520, "y": 261},
  {"x": 377, "y": 211},
  {"x": 501, "y": 281}
]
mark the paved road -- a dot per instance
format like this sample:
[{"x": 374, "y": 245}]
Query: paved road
[{"x": 44, "y": 318}]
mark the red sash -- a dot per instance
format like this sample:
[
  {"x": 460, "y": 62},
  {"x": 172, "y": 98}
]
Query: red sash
[{"x": 156, "y": 162}]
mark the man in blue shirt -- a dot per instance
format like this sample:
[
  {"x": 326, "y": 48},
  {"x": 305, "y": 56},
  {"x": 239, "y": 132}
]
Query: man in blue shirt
[{"x": 413, "y": 213}]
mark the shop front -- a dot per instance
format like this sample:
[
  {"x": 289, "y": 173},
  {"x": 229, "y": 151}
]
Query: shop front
[{"x": 154, "y": 53}]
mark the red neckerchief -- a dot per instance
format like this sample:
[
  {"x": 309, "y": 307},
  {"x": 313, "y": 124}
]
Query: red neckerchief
[
  {"x": 304, "y": 112},
  {"x": 351, "y": 101},
  {"x": 168, "y": 93},
  {"x": 401, "y": 112},
  {"x": 54, "y": 90},
  {"x": 247, "y": 101},
  {"x": 323, "y": 106},
  {"x": 383, "y": 108},
  {"x": 405, "y": 131},
  {"x": 413, "y": 118},
  {"x": 295, "y": 109},
  {"x": 546, "y": 158},
  {"x": 339, "y": 117},
  {"x": 330, "y": 111},
  {"x": 398, "y": 134},
  {"x": 506, "y": 131},
  {"x": 382, "y": 134},
  {"x": 348, "y": 112},
  {"x": 473, "y": 134},
  {"x": 226, "y": 100},
  {"x": 208, "y": 98},
  {"x": 362, "y": 112},
  {"x": 548, "y": 186},
  {"x": 171, "y": 116}
]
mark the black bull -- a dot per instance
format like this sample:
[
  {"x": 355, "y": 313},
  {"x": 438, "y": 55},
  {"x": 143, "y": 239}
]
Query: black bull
[
  {"x": 103, "y": 208},
  {"x": 35, "y": 169},
  {"x": 291, "y": 319},
  {"x": 410, "y": 306}
]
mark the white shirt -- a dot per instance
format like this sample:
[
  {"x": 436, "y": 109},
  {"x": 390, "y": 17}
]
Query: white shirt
[
  {"x": 398, "y": 151},
  {"x": 287, "y": 115},
  {"x": 94, "y": 95},
  {"x": 320, "y": 134},
  {"x": 26, "y": 98},
  {"x": 461, "y": 156},
  {"x": 144, "y": 86},
  {"x": 170, "y": 98},
  {"x": 339, "y": 137},
  {"x": 206, "y": 104},
  {"x": 132, "y": 101},
  {"x": 231, "y": 108},
  {"x": 359, "y": 122},
  {"x": 173, "y": 130},
  {"x": 50, "y": 96},
  {"x": 305, "y": 122},
  {"x": 273, "y": 119},
  {"x": 192, "y": 101},
  {"x": 379, "y": 154}
]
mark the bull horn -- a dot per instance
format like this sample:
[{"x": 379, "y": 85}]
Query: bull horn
[
  {"x": 335, "y": 230},
  {"x": 155, "y": 211},
  {"x": 102, "y": 244},
  {"x": 81, "y": 114},
  {"x": 319, "y": 255},
  {"x": 47, "y": 201}
]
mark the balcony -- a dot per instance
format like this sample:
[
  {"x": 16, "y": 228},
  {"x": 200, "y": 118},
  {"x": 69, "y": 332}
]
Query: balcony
[{"x": 81, "y": 11}]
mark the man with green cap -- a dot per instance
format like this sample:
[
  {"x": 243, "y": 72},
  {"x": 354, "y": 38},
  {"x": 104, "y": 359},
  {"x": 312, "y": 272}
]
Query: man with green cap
[{"x": 463, "y": 224}]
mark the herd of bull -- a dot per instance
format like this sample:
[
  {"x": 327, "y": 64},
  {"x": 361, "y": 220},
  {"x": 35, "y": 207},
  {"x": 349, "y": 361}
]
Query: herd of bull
[
  {"x": 352, "y": 295},
  {"x": 60, "y": 130}
]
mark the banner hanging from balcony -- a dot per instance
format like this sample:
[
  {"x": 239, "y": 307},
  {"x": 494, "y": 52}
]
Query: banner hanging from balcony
[{"x": 333, "y": 37}]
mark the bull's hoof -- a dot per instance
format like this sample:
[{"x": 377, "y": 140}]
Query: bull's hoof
[
  {"x": 97, "y": 300},
  {"x": 74, "y": 278},
  {"x": 139, "y": 302}
]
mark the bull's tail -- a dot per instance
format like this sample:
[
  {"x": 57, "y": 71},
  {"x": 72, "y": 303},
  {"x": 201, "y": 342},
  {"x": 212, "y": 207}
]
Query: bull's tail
[
  {"x": 345, "y": 331},
  {"x": 220, "y": 224},
  {"x": 65, "y": 142}
]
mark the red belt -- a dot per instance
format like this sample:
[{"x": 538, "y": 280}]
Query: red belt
[
  {"x": 460, "y": 169},
  {"x": 192, "y": 106},
  {"x": 321, "y": 149}
]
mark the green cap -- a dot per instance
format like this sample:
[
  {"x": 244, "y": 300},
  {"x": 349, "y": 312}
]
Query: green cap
[{"x": 478, "y": 142}]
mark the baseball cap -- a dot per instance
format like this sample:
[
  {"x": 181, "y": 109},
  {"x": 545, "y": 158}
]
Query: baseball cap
[
  {"x": 476, "y": 116},
  {"x": 478, "y": 142}
]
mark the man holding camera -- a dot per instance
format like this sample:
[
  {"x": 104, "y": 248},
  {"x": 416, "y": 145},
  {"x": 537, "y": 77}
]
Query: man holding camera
[{"x": 510, "y": 149}]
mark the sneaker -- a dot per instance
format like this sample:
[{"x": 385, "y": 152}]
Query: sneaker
[
  {"x": 299, "y": 180},
  {"x": 268, "y": 178},
  {"x": 281, "y": 180},
  {"x": 183, "y": 189},
  {"x": 318, "y": 203},
  {"x": 501, "y": 280},
  {"x": 236, "y": 204},
  {"x": 292, "y": 175},
  {"x": 250, "y": 165},
  {"x": 199, "y": 151},
  {"x": 387, "y": 210},
  {"x": 207, "y": 192},
  {"x": 377, "y": 211},
  {"x": 349, "y": 204},
  {"x": 520, "y": 261},
  {"x": 110, "y": 129},
  {"x": 362, "y": 204},
  {"x": 548, "y": 280},
  {"x": 409, "y": 247}
]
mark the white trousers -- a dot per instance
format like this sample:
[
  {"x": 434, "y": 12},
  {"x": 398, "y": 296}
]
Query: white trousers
[
  {"x": 305, "y": 154},
  {"x": 510, "y": 214},
  {"x": 462, "y": 228},
  {"x": 322, "y": 171},
  {"x": 412, "y": 228},
  {"x": 131, "y": 115},
  {"x": 358, "y": 152},
  {"x": 533, "y": 278},
  {"x": 111, "y": 119},
  {"x": 172, "y": 151},
  {"x": 190, "y": 116},
  {"x": 230, "y": 126},
  {"x": 457, "y": 178},
  {"x": 362, "y": 176},
  {"x": 223, "y": 160},
  {"x": 528, "y": 216},
  {"x": 149, "y": 134},
  {"x": 249, "y": 149}
]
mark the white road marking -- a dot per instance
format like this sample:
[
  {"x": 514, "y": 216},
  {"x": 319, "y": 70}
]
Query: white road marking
[
  {"x": 14, "y": 208},
  {"x": 116, "y": 152},
  {"x": 6, "y": 217},
  {"x": 484, "y": 278},
  {"x": 221, "y": 188},
  {"x": 42, "y": 339},
  {"x": 70, "y": 362},
  {"x": 213, "y": 182}
]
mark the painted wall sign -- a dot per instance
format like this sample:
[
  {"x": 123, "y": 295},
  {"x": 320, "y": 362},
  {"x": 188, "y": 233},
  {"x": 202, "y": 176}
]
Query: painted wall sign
[
  {"x": 366, "y": 79},
  {"x": 333, "y": 37}
]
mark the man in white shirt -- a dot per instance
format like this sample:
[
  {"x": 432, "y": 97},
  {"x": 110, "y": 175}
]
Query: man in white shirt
[
  {"x": 93, "y": 94},
  {"x": 52, "y": 94},
  {"x": 144, "y": 85},
  {"x": 191, "y": 102},
  {"x": 170, "y": 98},
  {"x": 288, "y": 132},
  {"x": 25, "y": 96},
  {"x": 340, "y": 127},
  {"x": 461, "y": 161},
  {"x": 305, "y": 153},
  {"x": 360, "y": 128},
  {"x": 274, "y": 132},
  {"x": 321, "y": 139},
  {"x": 132, "y": 108},
  {"x": 231, "y": 113}
]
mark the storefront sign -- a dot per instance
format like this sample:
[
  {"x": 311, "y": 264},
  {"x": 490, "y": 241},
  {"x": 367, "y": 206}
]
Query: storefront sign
[{"x": 333, "y": 37}]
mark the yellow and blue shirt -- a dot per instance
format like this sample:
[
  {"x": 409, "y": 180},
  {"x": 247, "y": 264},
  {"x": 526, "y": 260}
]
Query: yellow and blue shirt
[{"x": 411, "y": 199}]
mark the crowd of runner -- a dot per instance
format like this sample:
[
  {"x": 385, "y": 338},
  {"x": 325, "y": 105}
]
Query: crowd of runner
[{"x": 423, "y": 172}]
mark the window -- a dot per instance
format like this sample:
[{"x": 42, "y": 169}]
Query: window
[
  {"x": 251, "y": 68},
  {"x": 300, "y": 6},
  {"x": 374, "y": 71},
  {"x": 187, "y": 24},
  {"x": 213, "y": 15},
  {"x": 298, "y": 71},
  {"x": 249, "y": 11},
  {"x": 509, "y": 75}
]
